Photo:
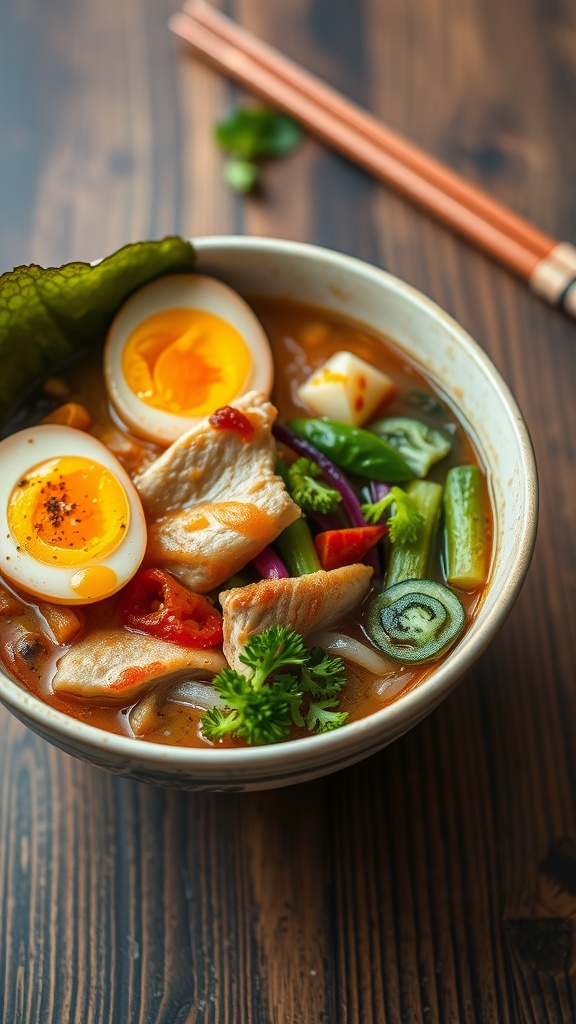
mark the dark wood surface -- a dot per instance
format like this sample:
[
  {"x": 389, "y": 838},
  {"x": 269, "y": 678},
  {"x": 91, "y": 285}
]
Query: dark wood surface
[{"x": 435, "y": 882}]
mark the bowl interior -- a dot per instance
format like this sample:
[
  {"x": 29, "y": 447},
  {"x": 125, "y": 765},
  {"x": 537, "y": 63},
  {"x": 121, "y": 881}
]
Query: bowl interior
[
  {"x": 452, "y": 360},
  {"x": 468, "y": 379}
]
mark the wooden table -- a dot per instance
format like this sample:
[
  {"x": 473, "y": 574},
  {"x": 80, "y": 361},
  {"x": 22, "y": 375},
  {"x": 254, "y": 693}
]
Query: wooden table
[{"x": 435, "y": 882}]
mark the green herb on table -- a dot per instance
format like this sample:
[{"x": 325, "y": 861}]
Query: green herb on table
[
  {"x": 250, "y": 135},
  {"x": 262, "y": 702}
]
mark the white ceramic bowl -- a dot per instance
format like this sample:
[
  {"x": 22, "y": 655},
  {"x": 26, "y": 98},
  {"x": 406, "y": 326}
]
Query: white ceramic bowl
[{"x": 454, "y": 361}]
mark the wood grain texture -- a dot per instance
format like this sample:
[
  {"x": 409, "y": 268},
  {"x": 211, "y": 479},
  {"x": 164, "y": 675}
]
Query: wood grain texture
[{"x": 435, "y": 882}]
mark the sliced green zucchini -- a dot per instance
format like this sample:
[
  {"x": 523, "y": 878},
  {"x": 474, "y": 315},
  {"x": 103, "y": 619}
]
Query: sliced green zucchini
[{"x": 416, "y": 620}]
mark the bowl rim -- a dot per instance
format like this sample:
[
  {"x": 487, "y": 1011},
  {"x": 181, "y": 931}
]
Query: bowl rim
[{"x": 380, "y": 727}]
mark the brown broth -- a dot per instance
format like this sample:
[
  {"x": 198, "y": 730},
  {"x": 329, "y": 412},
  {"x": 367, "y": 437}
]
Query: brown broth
[{"x": 302, "y": 338}]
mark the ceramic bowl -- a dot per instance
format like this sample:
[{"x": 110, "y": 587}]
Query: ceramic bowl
[{"x": 464, "y": 373}]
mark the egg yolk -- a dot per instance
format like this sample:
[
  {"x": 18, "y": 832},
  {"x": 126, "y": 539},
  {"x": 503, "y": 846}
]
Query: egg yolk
[
  {"x": 93, "y": 582},
  {"x": 186, "y": 362},
  {"x": 67, "y": 511}
]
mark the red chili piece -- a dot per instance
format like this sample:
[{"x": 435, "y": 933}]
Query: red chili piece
[
  {"x": 346, "y": 547},
  {"x": 153, "y": 602},
  {"x": 229, "y": 418}
]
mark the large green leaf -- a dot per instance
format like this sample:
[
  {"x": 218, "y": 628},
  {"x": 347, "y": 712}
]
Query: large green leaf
[{"x": 47, "y": 314}]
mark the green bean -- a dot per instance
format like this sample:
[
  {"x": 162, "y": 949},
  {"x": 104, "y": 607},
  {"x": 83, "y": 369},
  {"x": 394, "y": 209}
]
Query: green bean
[
  {"x": 409, "y": 560},
  {"x": 464, "y": 528}
]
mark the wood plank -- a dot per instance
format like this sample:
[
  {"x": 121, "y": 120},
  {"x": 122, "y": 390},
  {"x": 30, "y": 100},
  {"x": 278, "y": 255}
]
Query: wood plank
[{"x": 436, "y": 881}]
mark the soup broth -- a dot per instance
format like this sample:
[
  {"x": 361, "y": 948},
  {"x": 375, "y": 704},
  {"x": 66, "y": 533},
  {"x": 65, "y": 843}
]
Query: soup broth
[{"x": 302, "y": 338}]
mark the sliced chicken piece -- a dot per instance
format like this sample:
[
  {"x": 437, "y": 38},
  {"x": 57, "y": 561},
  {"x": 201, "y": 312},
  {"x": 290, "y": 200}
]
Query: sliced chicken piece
[
  {"x": 212, "y": 500},
  {"x": 117, "y": 665},
  {"x": 306, "y": 603}
]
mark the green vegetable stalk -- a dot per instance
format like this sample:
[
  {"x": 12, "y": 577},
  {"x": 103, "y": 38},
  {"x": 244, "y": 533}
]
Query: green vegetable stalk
[
  {"x": 262, "y": 703},
  {"x": 409, "y": 558},
  {"x": 464, "y": 528},
  {"x": 295, "y": 545},
  {"x": 46, "y": 315},
  {"x": 354, "y": 449}
]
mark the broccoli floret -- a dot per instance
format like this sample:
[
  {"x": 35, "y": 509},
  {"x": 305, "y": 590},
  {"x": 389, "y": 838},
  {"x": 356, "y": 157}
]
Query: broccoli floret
[
  {"x": 405, "y": 523},
  {"x": 308, "y": 489}
]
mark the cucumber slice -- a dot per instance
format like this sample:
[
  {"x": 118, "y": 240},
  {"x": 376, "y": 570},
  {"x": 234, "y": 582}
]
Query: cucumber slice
[{"x": 415, "y": 620}]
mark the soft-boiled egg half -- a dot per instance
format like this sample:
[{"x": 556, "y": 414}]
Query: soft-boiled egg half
[
  {"x": 72, "y": 529},
  {"x": 179, "y": 348}
]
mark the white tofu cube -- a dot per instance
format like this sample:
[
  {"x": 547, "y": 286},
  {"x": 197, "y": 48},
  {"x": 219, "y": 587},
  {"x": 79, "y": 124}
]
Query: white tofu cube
[{"x": 347, "y": 389}]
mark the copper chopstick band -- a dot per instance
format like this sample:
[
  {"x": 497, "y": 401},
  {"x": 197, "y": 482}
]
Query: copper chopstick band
[{"x": 553, "y": 277}]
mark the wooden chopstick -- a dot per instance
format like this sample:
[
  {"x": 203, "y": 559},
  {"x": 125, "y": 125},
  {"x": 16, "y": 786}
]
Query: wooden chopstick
[
  {"x": 411, "y": 156},
  {"x": 549, "y": 267}
]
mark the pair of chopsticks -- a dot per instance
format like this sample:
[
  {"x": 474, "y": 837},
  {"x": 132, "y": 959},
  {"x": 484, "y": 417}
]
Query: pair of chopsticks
[{"x": 548, "y": 266}]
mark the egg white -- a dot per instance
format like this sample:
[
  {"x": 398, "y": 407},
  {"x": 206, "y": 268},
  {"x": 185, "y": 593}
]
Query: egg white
[
  {"x": 192, "y": 291},
  {"x": 19, "y": 454}
]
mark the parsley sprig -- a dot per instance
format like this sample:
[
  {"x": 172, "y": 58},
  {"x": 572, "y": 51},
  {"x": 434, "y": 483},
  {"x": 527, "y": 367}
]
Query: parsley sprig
[{"x": 262, "y": 703}]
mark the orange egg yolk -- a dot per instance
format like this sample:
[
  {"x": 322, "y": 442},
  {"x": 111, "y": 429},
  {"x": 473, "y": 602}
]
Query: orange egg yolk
[
  {"x": 68, "y": 511},
  {"x": 187, "y": 362}
]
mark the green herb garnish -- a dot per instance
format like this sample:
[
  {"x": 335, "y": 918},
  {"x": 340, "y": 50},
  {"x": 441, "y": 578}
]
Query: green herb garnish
[
  {"x": 47, "y": 314},
  {"x": 250, "y": 135},
  {"x": 262, "y": 703}
]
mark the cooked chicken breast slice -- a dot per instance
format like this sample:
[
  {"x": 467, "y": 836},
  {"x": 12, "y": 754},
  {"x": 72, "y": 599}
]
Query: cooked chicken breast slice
[
  {"x": 117, "y": 665},
  {"x": 306, "y": 603},
  {"x": 212, "y": 500}
]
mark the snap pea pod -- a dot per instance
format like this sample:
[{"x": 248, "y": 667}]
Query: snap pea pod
[
  {"x": 464, "y": 528},
  {"x": 354, "y": 449},
  {"x": 409, "y": 559}
]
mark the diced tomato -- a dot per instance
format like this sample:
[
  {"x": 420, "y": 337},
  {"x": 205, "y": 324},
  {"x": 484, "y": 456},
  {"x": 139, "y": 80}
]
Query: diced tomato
[
  {"x": 154, "y": 602},
  {"x": 229, "y": 418},
  {"x": 346, "y": 547}
]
